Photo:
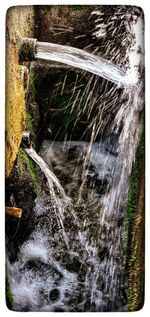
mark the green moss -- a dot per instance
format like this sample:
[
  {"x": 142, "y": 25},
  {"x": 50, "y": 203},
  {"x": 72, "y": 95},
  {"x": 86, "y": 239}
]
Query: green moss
[
  {"x": 133, "y": 221},
  {"x": 134, "y": 304},
  {"x": 29, "y": 122},
  {"x": 22, "y": 157},
  {"x": 134, "y": 183},
  {"x": 9, "y": 296},
  {"x": 133, "y": 258}
]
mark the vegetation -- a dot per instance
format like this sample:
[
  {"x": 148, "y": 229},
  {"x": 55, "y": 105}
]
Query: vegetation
[
  {"x": 134, "y": 184},
  {"x": 9, "y": 297},
  {"x": 135, "y": 231},
  {"x": 19, "y": 23},
  {"x": 29, "y": 122},
  {"x": 22, "y": 157}
]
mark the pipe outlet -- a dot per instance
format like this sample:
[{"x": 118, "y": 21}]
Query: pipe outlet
[{"x": 27, "y": 49}]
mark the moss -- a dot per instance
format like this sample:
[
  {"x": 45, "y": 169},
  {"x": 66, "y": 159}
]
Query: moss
[
  {"x": 19, "y": 23},
  {"x": 22, "y": 157},
  {"x": 31, "y": 169},
  {"x": 15, "y": 111},
  {"x": 134, "y": 184},
  {"x": 135, "y": 231},
  {"x": 29, "y": 121},
  {"x": 9, "y": 296},
  {"x": 133, "y": 258}
]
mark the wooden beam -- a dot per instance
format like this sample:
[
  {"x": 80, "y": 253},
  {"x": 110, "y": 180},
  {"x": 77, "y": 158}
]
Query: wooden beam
[{"x": 13, "y": 212}]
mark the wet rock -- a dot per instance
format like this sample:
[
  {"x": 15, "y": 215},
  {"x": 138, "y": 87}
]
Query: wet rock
[
  {"x": 120, "y": 220},
  {"x": 74, "y": 265},
  {"x": 26, "y": 139},
  {"x": 102, "y": 253},
  {"x": 54, "y": 294},
  {"x": 19, "y": 186},
  {"x": 59, "y": 310},
  {"x": 72, "y": 153}
]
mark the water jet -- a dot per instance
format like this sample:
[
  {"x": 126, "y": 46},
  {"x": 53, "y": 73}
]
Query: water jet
[{"x": 31, "y": 50}]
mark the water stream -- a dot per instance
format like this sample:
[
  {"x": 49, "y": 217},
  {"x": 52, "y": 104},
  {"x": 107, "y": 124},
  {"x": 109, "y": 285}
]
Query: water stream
[
  {"x": 86, "y": 61},
  {"x": 74, "y": 259}
]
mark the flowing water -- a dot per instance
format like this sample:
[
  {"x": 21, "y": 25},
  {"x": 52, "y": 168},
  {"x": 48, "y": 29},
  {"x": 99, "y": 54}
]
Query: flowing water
[
  {"x": 84, "y": 60},
  {"x": 74, "y": 259}
]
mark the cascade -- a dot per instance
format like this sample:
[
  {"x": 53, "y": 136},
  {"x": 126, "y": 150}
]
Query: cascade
[{"x": 74, "y": 259}]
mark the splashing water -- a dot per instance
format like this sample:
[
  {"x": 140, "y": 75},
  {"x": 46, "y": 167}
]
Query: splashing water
[
  {"x": 74, "y": 259},
  {"x": 53, "y": 183},
  {"x": 51, "y": 177}
]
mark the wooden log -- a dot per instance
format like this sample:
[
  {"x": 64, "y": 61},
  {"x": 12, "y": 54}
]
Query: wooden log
[{"x": 13, "y": 212}]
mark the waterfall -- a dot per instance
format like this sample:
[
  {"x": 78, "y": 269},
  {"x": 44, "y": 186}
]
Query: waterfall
[
  {"x": 74, "y": 258},
  {"x": 51, "y": 177},
  {"x": 53, "y": 183}
]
